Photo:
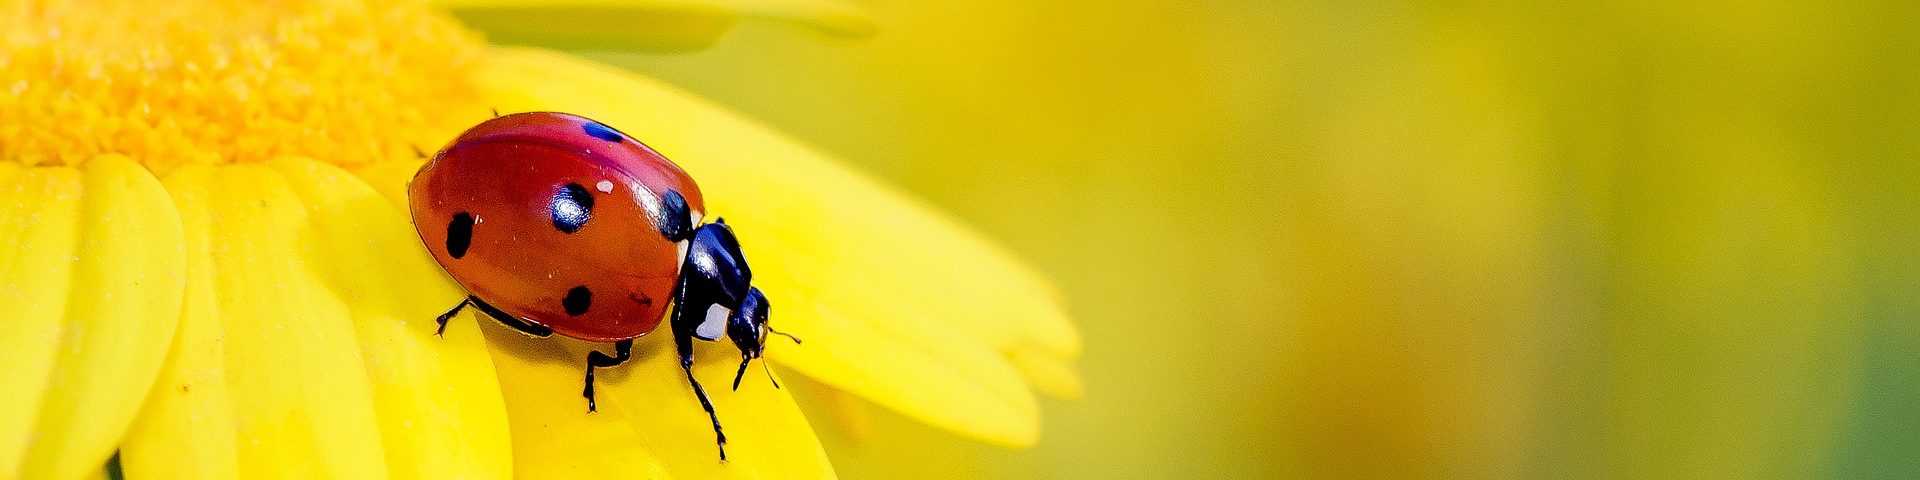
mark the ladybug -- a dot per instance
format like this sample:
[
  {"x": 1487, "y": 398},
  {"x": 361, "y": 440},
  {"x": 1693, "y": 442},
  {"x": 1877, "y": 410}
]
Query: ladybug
[{"x": 556, "y": 223}]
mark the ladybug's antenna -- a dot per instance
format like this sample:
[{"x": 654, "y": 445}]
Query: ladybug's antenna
[
  {"x": 743, "y": 372},
  {"x": 796, "y": 340},
  {"x": 769, "y": 369},
  {"x": 764, "y": 364}
]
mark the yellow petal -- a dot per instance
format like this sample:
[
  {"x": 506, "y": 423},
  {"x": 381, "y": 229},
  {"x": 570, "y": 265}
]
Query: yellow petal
[
  {"x": 899, "y": 304},
  {"x": 39, "y": 230},
  {"x": 306, "y": 346},
  {"x": 99, "y": 473},
  {"x": 390, "y": 179},
  {"x": 831, "y": 16},
  {"x": 441, "y": 413},
  {"x": 188, "y": 428},
  {"x": 122, "y": 305},
  {"x": 649, "y": 424},
  {"x": 644, "y": 24},
  {"x": 293, "y": 393},
  {"x": 1047, "y": 373}
]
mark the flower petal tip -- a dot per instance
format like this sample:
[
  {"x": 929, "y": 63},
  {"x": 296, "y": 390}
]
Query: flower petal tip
[{"x": 646, "y": 25}]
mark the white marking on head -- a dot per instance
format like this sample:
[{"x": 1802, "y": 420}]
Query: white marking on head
[
  {"x": 715, "y": 324},
  {"x": 477, "y": 219},
  {"x": 605, "y": 186}
]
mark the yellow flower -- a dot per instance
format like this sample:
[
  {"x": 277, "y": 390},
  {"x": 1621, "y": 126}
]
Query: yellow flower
[{"x": 207, "y": 268}]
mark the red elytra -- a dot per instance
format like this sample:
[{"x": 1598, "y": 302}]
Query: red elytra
[{"x": 495, "y": 206}]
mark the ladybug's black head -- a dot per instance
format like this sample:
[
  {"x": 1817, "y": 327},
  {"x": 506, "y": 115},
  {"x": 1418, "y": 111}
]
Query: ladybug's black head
[
  {"x": 745, "y": 326},
  {"x": 748, "y": 329}
]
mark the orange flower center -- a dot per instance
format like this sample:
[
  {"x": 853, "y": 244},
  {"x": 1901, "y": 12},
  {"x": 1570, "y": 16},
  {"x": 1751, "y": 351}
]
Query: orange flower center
[{"x": 168, "y": 83}]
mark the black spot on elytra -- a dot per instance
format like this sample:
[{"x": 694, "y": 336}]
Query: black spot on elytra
[
  {"x": 675, "y": 221},
  {"x": 601, "y": 131},
  {"x": 459, "y": 235},
  {"x": 577, "y": 300},
  {"x": 571, "y": 206}
]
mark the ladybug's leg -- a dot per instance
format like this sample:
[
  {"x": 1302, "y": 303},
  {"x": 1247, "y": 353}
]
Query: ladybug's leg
[
  {"x": 442, "y": 320},
  {"x": 690, "y": 289},
  {"x": 622, "y": 350},
  {"x": 713, "y": 280},
  {"x": 509, "y": 320},
  {"x": 683, "y": 343}
]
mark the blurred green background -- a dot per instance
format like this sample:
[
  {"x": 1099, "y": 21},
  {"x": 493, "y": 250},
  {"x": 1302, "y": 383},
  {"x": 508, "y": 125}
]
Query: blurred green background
[{"x": 1378, "y": 239}]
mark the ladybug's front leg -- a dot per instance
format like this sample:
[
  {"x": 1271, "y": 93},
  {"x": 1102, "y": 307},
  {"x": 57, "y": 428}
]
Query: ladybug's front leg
[
  {"x": 683, "y": 328},
  {"x": 684, "y": 344},
  {"x": 713, "y": 279}
]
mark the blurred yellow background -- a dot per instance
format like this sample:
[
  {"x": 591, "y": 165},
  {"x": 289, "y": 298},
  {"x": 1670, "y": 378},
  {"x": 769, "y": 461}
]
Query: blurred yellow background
[{"x": 1374, "y": 239}]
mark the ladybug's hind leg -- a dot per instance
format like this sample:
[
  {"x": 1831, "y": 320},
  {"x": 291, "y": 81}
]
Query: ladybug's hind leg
[
  {"x": 504, "y": 318},
  {"x": 622, "y": 351}
]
